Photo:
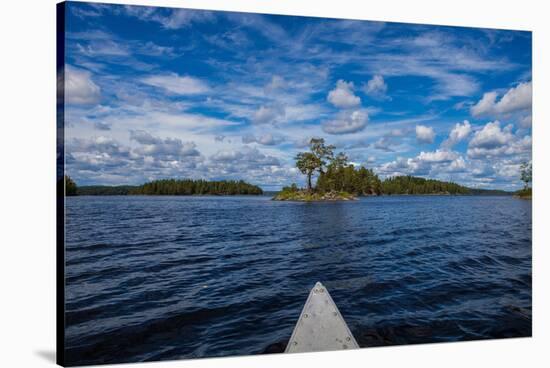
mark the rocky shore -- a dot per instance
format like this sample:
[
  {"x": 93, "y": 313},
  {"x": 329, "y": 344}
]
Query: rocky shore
[{"x": 307, "y": 196}]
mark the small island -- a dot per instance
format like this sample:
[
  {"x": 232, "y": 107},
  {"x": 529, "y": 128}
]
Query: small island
[
  {"x": 293, "y": 193},
  {"x": 339, "y": 180}
]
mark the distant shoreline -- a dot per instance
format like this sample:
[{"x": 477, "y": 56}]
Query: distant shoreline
[
  {"x": 171, "y": 195},
  {"x": 271, "y": 194},
  {"x": 405, "y": 186},
  {"x": 170, "y": 187}
]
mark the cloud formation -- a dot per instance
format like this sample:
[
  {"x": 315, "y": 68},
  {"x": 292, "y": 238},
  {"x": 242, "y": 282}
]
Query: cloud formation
[
  {"x": 425, "y": 134},
  {"x": 172, "y": 19},
  {"x": 342, "y": 96},
  {"x": 268, "y": 114},
  {"x": 347, "y": 122},
  {"x": 516, "y": 99},
  {"x": 179, "y": 85},
  {"x": 376, "y": 87},
  {"x": 437, "y": 156},
  {"x": 458, "y": 134},
  {"x": 267, "y": 139},
  {"x": 80, "y": 89},
  {"x": 167, "y": 148},
  {"x": 492, "y": 140},
  {"x": 426, "y": 163}
]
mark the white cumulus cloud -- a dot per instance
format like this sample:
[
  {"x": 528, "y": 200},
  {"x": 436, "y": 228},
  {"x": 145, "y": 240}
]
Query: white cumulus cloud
[
  {"x": 426, "y": 163},
  {"x": 166, "y": 149},
  {"x": 268, "y": 114},
  {"x": 347, "y": 122},
  {"x": 518, "y": 98},
  {"x": 458, "y": 134},
  {"x": 492, "y": 136},
  {"x": 493, "y": 141},
  {"x": 438, "y": 156},
  {"x": 80, "y": 89},
  {"x": 342, "y": 96},
  {"x": 425, "y": 134},
  {"x": 376, "y": 87}
]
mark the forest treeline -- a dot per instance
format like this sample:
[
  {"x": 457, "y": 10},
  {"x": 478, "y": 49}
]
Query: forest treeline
[
  {"x": 105, "y": 190},
  {"x": 415, "y": 185},
  {"x": 167, "y": 187},
  {"x": 361, "y": 181},
  {"x": 191, "y": 187}
]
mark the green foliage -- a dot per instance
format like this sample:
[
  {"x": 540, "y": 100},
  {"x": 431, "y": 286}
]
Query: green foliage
[
  {"x": 315, "y": 160},
  {"x": 340, "y": 160},
  {"x": 291, "y": 189},
  {"x": 526, "y": 193},
  {"x": 526, "y": 170},
  {"x": 307, "y": 163},
  {"x": 488, "y": 192},
  {"x": 105, "y": 190},
  {"x": 70, "y": 186},
  {"x": 191, "y": 187},
  {"x": 338, "y": 176},
  {"x": 166, "y": 187},
  {"x": 361, "y": 181},
  {"x": 287, "y": 194},
  {"x": 415, "y": 185},
  {"x": 323, "y": 153}
]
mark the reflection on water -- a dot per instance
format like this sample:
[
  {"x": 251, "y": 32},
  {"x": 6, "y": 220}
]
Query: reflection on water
[{"x": 153, "y": 278}]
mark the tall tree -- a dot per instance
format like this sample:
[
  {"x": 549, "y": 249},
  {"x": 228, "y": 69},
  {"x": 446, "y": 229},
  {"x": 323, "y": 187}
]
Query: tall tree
[
  {"x": 307, "y": 163},
  {"x": 526, "y": 173},
  {"x": 315, "y": 160},
  {"x": 322, "y": 152},
  {"x": 341, "y": 160}
]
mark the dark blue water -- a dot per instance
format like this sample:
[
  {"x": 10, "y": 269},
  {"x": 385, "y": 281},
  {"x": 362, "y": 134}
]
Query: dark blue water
[{"x": 152, "y": 278}]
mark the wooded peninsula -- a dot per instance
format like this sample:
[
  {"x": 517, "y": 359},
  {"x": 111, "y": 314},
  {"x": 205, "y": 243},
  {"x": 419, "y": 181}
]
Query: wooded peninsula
[{"x": 167, "y": 187}]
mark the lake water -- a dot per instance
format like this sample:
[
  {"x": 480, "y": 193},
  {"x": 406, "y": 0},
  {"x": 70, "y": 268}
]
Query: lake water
[{"x": 156, "y": 278}]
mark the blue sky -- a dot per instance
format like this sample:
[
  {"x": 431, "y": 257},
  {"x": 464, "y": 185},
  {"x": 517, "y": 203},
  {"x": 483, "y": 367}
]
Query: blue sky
[{"x": 154, "y": 93}]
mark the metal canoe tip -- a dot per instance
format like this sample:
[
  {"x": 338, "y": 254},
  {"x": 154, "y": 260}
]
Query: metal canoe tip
[
  {"x": 320, "y": 326},
  {"x": 318, "y": 288}
]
